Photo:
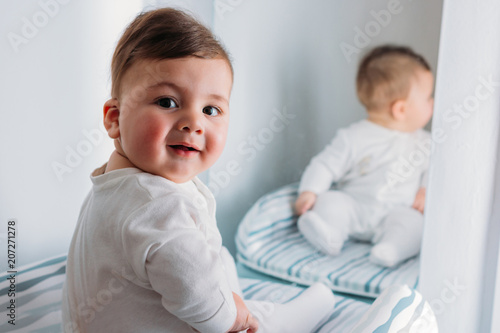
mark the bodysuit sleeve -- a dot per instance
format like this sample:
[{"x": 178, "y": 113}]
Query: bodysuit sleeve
[
  {"x": 328, "y": 166},
  {"x": 170, "y": 254}
]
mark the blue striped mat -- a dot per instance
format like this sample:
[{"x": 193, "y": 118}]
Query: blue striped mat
[
  {"x": 38, "y": 294},
  {"x": 268, "y": 241},
  {"x": 39, "y": 291}
]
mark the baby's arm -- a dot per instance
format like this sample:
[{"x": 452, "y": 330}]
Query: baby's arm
[
  {"x": 244, "y": 319},
  {"x": 326, "y": 167},
  {"x": 172, "y": 256},
  {"x": 304, "y": 202},
  {"x": 419, "y": 203}
]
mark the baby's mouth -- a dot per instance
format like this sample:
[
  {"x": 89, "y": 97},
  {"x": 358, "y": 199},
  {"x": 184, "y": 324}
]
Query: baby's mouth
[{"x": 185, "y": 148}]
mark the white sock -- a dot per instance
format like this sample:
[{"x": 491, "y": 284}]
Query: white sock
[
  {"x": 300, "y": 315},
  {"x": 321, "y": 236},
  {"x": 401, "y": 238}
]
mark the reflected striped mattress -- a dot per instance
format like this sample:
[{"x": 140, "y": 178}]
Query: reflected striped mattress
[{"x": 268, "y": 241}]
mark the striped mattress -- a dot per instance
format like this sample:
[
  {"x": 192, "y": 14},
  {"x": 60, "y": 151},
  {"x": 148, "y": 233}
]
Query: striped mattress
[
  {"x": 38, "y": 293},
  {"x": 268, "y": 241}
]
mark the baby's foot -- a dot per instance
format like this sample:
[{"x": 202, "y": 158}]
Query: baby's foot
[
  {"x": 321, "y": 236},
  {"x": 302, "y": 314}
]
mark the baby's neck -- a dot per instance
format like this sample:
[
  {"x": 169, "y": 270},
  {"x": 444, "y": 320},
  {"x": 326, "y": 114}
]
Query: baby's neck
[
  {"x": 118, "y": 161},
  {"x": 387, "y": 122}
]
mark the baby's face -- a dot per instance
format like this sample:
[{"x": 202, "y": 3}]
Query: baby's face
[
  {"x": 174, "y": 115},
  {"x": 420, "y": 102}
]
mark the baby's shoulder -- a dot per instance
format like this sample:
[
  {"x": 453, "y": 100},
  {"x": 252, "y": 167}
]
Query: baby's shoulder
[
  {"x": 156, "y": 187},
  {"x": 356, "y": 127},
  {"x": 153, "y": 198},
  {"x": 354, "y": 131}
]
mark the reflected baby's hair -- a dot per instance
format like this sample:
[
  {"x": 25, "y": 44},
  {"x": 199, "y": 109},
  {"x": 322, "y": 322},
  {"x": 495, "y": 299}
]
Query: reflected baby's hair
[
  {"x": 160, "y": 34},
  {"x": 385, "y": 75}
]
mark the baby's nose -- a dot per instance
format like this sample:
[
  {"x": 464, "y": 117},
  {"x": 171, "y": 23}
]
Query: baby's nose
[{"x": 191, "y": 122}]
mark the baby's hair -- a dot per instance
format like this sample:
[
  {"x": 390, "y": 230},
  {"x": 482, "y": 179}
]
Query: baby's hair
[
  {"x": 385, "y": 74},
  {"x": 160, "y": 34}
]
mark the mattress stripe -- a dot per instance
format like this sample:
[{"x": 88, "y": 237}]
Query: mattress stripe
[
  {"x": 27, "y": 323},
  {"x": 280, "y": 255},
  {"x": 251, "y": 286},
  {"x": 335, "y": 314},
  {"x": 346, "y": 315},
  {"x": 416, "y": 283},
  {"x": 274, "y": 250},
  {"x": 295, "y": 296},
  {"x": 337, "y": 278},
  {"x": 30, "y": 298},
  {"x": 382, "y": 278},
  {"x": 50, "y": 329},
  {"x": 283, "y": 235},
  {"x": 416, "y": 314},
  {"x": 271, "y": 226},
  {"x": 351, "y": 322},
  {"x": 376, "y": 312},
  {"x": 335, "y": 275},
  {"x": 271, "y": 234},
  {"x": 367, "y": 284},
  {"x": 287, "y": 191},
  {"x": 37, "y": 265},
  {"x": 21, "y": 286},
  {"x": 313, "y": 257},
  {"x": 51, "y": 319},
  {"x": 345, "y": 265},
  {"x": 405, "y": 273},
  {"x": 255, "y": 290},
  {"x": 290, "y": 269},
  {"x": 402, "y": 304}
]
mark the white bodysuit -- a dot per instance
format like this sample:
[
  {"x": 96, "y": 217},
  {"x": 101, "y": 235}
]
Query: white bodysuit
[
  {"x": 147, "y": 256},
  {"x": 364, "y": 176},
  {"x": 143, "y": 249}
]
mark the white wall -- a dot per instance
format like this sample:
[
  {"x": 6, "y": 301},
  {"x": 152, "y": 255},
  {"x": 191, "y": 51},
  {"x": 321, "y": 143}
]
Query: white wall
[
  {"x": 53, "y": 86},
  {"x": 288, "y": 58},
  {"x": 460, "y": 246}
]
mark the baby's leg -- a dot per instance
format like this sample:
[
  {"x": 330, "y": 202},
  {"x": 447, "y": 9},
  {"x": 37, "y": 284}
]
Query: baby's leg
[
  {"x": 326, "y": 226},
  {"x": 399, "y": 237},
  {"x": 302, "y": 314}
]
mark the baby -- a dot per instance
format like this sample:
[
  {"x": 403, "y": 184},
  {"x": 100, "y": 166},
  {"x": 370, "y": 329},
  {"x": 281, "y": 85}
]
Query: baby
[
  {"x": 146, "y": 255},
  {"x": 369, "y": 182}
]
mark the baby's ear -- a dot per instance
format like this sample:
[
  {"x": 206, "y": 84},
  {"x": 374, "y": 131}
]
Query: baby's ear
[
  {"x": 111, "y": 112},
  {"x": 398, "y": 109}
]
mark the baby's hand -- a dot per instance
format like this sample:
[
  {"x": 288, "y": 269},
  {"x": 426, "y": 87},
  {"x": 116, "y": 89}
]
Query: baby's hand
[
  {"x": 304, "y": 202},
  {"x": 244, "y": 319},
  {"x": 419, "y": 202}
]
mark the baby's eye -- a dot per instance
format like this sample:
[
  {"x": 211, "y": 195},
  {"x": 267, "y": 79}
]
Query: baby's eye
[
  {"x": 211, "y": 111},
  {"x": 166, "y": 103}
]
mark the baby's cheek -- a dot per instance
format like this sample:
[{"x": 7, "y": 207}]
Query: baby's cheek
[
  {"x": 216, "y": 143},
  {"x": 152, "y": 137}
]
